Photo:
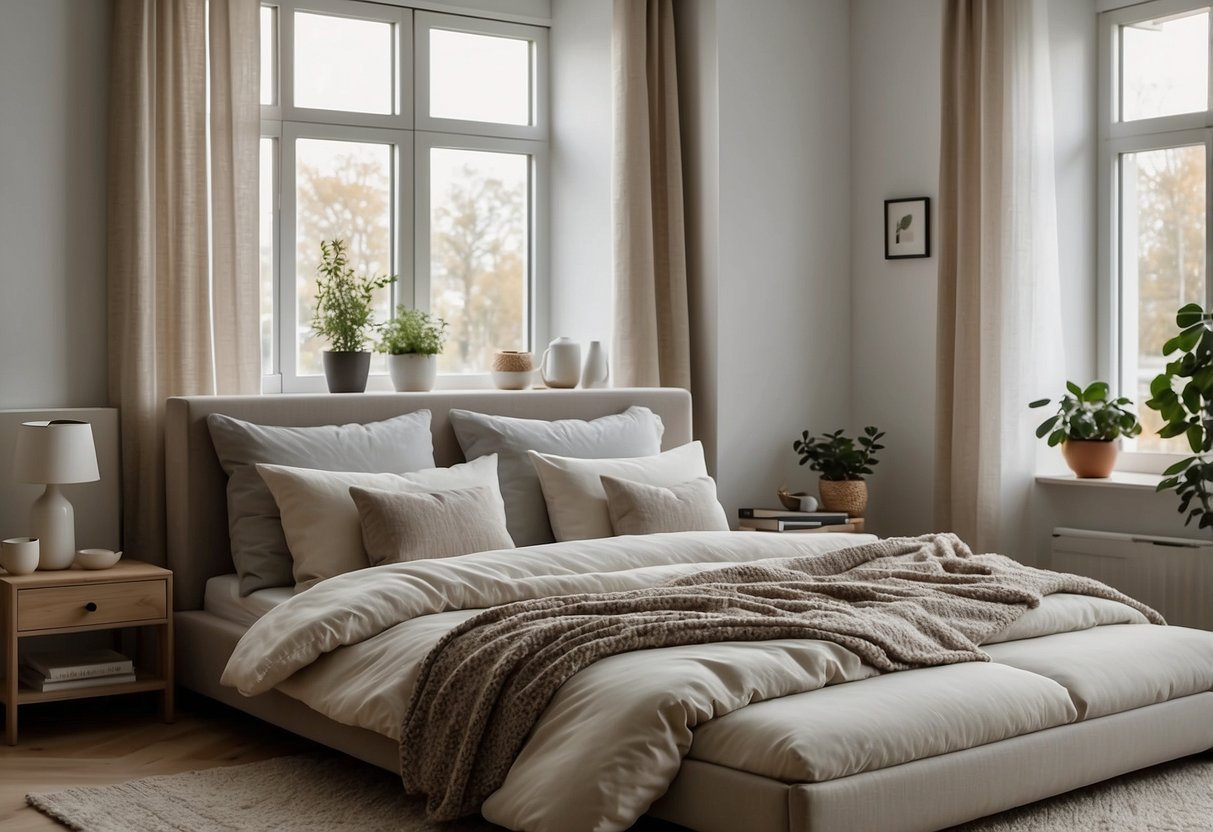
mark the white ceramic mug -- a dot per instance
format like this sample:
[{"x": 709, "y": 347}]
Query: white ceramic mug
[{"x": 19, "y": 555}]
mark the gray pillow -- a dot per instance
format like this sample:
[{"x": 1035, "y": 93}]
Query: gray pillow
[
  {"x": 640, "y": 508},
  {"x": 398, "y": 527},
  {"x": 259, "y": 550},
  {"x": 635, "y": 432}
]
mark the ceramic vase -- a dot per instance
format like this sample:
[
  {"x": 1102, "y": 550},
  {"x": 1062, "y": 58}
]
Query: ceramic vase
[
  {"x": 1089, "y": 459},
  {"x": 413, "y": 373},
  {"x": 346, "y": 372},
  {"x": 596, "y": 371},
  {"x": 561, "y": 364}
]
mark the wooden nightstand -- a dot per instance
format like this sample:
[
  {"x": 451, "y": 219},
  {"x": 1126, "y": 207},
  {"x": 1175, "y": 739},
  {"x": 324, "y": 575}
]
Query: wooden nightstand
[{"x": 130, "y": 594}]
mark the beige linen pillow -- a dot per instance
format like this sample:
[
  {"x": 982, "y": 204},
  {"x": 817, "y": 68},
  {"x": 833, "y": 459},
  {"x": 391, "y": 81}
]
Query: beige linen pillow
[
  {"x": 321, "y": 522},
  {"x": 635, "y": 432},
  {"x": 398, "y": 526},
  {"x": 572, "y": 488},
  {"x": 637, "y": 508}
]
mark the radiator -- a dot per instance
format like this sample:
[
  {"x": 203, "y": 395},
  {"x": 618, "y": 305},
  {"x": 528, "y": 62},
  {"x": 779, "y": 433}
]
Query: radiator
[{"x": 1173, "y": 575}]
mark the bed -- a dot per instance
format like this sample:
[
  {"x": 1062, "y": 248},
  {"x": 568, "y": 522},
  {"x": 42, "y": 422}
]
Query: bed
[{"x": 1098, "y": 696}]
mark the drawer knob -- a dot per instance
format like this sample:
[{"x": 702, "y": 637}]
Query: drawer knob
[{"x": 91, "y": 606}]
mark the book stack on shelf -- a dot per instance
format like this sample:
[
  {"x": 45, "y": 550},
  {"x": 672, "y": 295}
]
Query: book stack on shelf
[
  {"x": 782, "y": 520},
  {"x": 46, "y": 672}
]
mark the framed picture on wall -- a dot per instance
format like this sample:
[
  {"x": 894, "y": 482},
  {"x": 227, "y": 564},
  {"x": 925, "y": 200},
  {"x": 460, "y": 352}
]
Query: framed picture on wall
[{"x": 907, "y": 228}]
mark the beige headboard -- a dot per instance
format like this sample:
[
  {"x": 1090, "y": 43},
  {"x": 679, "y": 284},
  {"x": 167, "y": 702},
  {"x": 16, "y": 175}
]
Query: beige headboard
[{"x": 197, "y": 487}]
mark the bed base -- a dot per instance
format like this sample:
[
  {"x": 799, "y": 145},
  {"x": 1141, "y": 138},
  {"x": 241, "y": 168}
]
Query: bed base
[{"x": 934, "y": 793}]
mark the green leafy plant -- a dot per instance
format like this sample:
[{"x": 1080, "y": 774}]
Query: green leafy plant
[
  {"x": 413, "y": 332},
  {"x": 1088, "y": 415},
  {"x": 1183, "y": 394},
  {"x": 344, "y": 310},
  {"x": 836, "y": 456}
]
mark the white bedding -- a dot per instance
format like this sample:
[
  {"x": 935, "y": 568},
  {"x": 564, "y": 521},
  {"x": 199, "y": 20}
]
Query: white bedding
[
  {"x": 223, "y": 599},
  {"x": 351, "y": 647}
]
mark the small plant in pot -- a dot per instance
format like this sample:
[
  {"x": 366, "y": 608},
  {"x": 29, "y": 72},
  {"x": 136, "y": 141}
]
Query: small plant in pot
[
  {"x": 344, "y": 315},
  {"x": 1183, "y": 395},
  {"x": 412, "y": 340},
  {"x": 843, "y": 463},
  {"x": 1087, "y": 425}
]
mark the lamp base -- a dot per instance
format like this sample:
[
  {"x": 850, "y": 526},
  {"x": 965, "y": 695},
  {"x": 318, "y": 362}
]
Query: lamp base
[{"x": 53, "y": 522}]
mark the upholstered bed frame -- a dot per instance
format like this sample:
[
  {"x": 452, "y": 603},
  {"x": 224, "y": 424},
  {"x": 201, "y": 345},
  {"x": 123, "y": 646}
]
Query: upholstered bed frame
[{"x": 926, "y": 794}]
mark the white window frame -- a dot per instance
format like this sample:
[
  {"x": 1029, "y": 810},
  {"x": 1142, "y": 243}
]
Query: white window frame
[
  {"x": 1116, "y": 138},
  {"x": 286, "y": 123}
]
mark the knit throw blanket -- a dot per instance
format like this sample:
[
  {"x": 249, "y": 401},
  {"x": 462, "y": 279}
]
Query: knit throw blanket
[{"x": 899, "y": 603}]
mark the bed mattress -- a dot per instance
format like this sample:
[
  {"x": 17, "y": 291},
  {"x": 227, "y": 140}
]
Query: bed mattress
[{"x": 223, "y": 599}]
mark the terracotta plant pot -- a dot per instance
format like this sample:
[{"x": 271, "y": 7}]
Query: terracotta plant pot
[
  {"x": 850, "y": 496},
  {"x": 346, "y": 372},
  {"x": 1089, "y": 459}
]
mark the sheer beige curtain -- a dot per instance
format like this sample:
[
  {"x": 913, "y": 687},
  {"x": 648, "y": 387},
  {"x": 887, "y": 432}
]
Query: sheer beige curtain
[
  {"x": 999, "y": 341},
  {"x": 651, "y": 332},
  {"x": 182, "y": 262}
]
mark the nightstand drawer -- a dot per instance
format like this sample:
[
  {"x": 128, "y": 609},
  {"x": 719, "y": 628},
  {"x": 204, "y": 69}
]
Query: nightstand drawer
[{"x": 85, "y": 605}]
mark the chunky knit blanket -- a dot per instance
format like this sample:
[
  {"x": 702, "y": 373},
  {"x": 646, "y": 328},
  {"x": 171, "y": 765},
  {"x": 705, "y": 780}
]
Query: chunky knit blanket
[{"x": 899, "y": 603}]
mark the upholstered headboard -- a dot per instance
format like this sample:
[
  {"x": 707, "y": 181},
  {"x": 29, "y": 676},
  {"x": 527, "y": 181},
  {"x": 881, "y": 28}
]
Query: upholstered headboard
[{"x": 197, "y": 487}]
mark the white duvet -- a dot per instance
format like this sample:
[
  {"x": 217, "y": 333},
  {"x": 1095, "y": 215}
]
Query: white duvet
[{"x": 613, "y": 738}]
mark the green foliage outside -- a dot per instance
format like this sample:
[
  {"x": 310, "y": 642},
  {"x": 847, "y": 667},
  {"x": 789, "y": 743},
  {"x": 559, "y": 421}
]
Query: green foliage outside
[
  {"x": 1183, "y": 395},
  {"x": 344, "y": 309},
  {"x": 413, "y": 332},
  {"x": 837, "y": 457},
  {"x": 1089, "y": 415}
]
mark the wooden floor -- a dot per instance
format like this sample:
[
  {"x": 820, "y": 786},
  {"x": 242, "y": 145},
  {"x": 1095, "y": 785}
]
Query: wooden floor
[{"x": 99, "y": 741}]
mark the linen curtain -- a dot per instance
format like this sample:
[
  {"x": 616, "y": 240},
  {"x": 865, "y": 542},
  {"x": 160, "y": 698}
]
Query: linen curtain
[
  {"x": 999, "y": 343},
  {"x": 182, "y": 256},
  {"x": 652, "y": 345}
]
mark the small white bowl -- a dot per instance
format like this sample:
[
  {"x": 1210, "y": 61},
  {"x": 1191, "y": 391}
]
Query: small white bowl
[
  {"x": 507, "y": 380},
  {"x": 96, "y": 558}
]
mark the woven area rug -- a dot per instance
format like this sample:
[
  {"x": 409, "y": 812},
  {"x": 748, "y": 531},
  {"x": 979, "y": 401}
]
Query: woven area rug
[{"x": 325, "y": 791}]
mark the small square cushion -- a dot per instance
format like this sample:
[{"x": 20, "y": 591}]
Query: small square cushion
[
  {"x": 635, "y": 432},
  {"x": 576, "y": 501},
  {"x": 259, "y": 549},
  {"x": 398, "y": 526},
  {"x": 320, "y": 519},
  {"x": 638, "y": 508}
]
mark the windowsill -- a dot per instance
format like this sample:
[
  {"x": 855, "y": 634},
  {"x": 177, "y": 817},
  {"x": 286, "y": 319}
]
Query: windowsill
[{"x": 1119, "y": 479}]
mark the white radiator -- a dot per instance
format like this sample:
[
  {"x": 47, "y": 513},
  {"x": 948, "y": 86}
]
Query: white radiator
[{"x": 1173, "y": 575}]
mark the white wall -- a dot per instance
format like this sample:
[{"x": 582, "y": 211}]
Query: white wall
[
  {"x": 54, "y": 57},
  {"x": 581, "y": 274},
  {"x": 770, "y": 239},
  {"x": 895, "y": 66}
]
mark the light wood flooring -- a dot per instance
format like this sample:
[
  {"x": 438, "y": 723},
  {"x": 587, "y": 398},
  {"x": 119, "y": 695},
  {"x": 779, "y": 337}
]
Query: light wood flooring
[{"x": 90, "y": 742}]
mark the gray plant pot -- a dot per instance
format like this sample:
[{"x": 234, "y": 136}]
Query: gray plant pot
[{"x": 346, "y": 372}]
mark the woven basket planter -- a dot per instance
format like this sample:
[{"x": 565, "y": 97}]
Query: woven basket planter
[{"x": 850, "y": 496}]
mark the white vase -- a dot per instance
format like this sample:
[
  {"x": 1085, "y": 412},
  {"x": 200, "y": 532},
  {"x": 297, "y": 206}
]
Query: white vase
[
  {"x": 561, "y": 364},
  {"x": 596, "y": 371},
  {"x": 412, "y": 373}
]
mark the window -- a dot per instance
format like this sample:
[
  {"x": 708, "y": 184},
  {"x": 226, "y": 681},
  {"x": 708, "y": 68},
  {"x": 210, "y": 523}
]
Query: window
[
  {"x": 1156, "y": 137},
  {"x": 421, "y": 140}
]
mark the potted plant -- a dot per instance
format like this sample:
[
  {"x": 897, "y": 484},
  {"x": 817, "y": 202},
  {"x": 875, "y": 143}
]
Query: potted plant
[
  {"x": 344, "y": 315},
  {"x": 842, "y": 462},
  {"x": 1087, "y": 425},
  {"x": 412, "y": 340},
  {"x": 1183, "y": 396}
]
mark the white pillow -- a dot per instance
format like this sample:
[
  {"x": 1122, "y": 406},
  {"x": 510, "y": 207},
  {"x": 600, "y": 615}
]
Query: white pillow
[
  {"x": 321, "y": 523},
  {"x": 572, "y": 488},
  {"x": 637, "y": 508}
]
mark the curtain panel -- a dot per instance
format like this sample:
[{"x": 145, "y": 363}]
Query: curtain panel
[
  {"x": 652, "y": 346},
  {"x": 999, "y": 342},
  {"x": 182, "y": 249}
]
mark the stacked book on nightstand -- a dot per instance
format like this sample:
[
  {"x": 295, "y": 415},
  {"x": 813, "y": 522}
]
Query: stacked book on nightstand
[
  {"x": 782, "y": 520},
  {"x": 46, "y": 672}
]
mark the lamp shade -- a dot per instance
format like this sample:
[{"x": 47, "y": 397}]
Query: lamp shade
[{"x": 59, "y": 451}]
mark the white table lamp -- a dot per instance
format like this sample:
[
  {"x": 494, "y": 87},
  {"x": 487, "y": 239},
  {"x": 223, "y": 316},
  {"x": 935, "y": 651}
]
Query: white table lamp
[{"x": 56, "y": 452}]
